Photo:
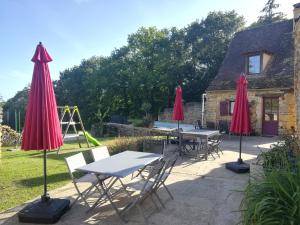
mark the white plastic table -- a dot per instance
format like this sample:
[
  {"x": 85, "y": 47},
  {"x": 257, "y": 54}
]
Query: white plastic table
[{"x": 118, "y": 166}]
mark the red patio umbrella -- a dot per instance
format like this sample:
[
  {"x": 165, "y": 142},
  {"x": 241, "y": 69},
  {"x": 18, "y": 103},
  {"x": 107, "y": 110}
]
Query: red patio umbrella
[
  {"x": 41, "y": 132},
  {"x": 240, "y": 122},
  {"x": 178, "y": 108}
]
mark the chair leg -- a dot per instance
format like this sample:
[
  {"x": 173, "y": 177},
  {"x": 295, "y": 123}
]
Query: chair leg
[
  {"x": 211, "y": 153},
  {"x": 159, "y": 199},
  {"x": 142, "y": 214},
  {"x": 219, "y": 149},
  {"x": 81, "y": 195},
  {"x": 216, "y": 150},
  {"x": 167, "y": 189},
  {"x": 156, "y": 206}
]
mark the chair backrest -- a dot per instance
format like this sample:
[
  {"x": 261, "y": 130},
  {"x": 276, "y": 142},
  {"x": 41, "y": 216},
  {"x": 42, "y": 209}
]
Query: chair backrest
[
  {"x": 167, "y": 169},
  {"x": 170, "y": 149},
  {"x": 100, "y": 153},
  {"x": 153, "y": 175},
  {"x": 217, "y": 138},
  {"x": 74, "y": 162}
]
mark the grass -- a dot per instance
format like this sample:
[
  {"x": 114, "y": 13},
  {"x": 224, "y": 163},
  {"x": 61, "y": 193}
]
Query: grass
[{"x": 21, "y": 172}]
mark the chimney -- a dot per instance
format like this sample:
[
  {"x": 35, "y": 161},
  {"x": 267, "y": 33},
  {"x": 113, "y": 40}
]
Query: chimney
[{"x": 296, "y": 36}]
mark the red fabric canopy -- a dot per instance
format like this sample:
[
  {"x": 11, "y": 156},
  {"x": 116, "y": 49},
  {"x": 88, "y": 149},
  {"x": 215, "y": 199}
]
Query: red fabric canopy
[
  {"x": 240, "y": 122},
  {"x": 42, "y": 128},
  {"x": 178, "y": 108}
]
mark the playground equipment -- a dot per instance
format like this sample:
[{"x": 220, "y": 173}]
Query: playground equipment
[
  {"x": 70, "y": 116},
  {"x": 91, "y": 139}
]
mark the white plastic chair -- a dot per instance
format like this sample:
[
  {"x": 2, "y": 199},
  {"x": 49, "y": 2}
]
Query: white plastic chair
[
  {"x": 100, "y": 153},
  {"x": 74, "y": 162}
]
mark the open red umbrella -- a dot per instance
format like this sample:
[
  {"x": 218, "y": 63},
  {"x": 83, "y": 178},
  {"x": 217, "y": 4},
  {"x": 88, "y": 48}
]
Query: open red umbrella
[
  {"x": 42, "y": 132},
  {"x": 178, "y": 108},
  {"x": 240, "y": 122}
]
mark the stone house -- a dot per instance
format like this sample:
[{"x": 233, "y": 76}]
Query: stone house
[{"x": 269, "y": 56}]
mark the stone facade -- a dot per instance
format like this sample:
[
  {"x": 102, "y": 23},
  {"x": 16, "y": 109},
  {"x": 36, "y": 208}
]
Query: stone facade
[
  {"x": 297, "y": 64},
  {"x": 192, "y": 113},
  {"x": 286, "y": 117}
]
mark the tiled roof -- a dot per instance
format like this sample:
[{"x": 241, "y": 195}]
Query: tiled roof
[{"x": 275, "y": 39}]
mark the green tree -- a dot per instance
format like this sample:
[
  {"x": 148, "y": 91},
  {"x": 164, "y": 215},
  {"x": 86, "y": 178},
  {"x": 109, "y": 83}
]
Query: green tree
[
  {"x": 269, "y": 14},
  {"x": 17, "y": 103},
  {"x": 147, "y": 70},
  {"x": 207, "y": 42}
]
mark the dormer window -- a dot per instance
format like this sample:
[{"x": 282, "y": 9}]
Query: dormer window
[{"x": 254, "y": 64}]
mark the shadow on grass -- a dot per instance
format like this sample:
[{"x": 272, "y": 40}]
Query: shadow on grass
[
  {"x": 66, "y": 153},
  {"x": 39, "y": 181},
  {"x": 19, "y": 154}
]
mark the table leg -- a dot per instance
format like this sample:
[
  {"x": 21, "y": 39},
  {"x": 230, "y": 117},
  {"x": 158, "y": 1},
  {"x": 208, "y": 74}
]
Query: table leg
[
  {"x": 206, "y": 150},
  {"x": 180, "y": 145},
  {"x": 105, "y": 190},
  {"x": 113, "y": 204}
]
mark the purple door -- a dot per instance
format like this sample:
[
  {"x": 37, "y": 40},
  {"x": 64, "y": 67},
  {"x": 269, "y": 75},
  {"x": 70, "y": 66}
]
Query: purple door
[{"x": 270, "y": 116}]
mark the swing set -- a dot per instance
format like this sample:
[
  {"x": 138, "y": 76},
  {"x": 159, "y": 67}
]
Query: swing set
[{"x": 70, "y": 118}]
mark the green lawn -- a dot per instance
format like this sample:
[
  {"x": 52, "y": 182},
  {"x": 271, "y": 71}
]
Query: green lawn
[{"x": 21, "y": 172}]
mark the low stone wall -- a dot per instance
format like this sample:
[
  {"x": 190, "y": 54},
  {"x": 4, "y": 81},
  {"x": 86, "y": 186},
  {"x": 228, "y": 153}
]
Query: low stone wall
[
  {"x": 192, "y": 113},
  {"x": 121, "y": 130}
]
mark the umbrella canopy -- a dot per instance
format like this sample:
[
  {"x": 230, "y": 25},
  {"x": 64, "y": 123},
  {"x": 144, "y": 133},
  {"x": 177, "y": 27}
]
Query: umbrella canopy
[
  {"x": 240, "y": 123},
  {"x": 178, "y": 108},
  {"x": 42, "y": 128}
]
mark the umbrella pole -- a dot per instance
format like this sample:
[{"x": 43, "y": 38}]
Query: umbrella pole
[
  {"x": 45, "y": 196},
  {"x": 240, "y": 158}
]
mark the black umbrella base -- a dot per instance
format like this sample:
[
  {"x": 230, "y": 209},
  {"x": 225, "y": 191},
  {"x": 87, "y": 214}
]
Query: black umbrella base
[
  {"x": 45, "y": 212},
  {"x": 238, "y": 167}
]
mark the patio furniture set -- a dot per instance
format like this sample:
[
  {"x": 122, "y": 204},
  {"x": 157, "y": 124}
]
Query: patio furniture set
[
  {"x": 148, "y": 171},
  {"x": 192, "y": 140}
]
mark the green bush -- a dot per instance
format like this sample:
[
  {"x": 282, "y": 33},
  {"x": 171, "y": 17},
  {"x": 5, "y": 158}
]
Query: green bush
[
  {"x": 127, "y": 143},
  {"x": 144, "y": 122},
  {"x": 9, "y": 136},
  {"x": 275, "y": 159},
  {"x": 282, "y": 156},
  {"x": 273, "y": 200}
]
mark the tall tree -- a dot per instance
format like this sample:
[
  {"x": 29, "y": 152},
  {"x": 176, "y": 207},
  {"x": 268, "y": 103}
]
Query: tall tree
[
  {"x": 207, "y": 42},
  {"x": 141, "y": 76},
  {"x": 269, "y": 14},
  {"x": 15, "y": 104}
]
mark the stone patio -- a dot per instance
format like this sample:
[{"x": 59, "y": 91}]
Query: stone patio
[{"x": 205, "y": 193}]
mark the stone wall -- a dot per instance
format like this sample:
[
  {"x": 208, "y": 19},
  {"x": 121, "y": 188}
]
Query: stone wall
[
  {"x": 192, "y": 113},
  {"x": 297, "y": 73},
  {"x": 124, "y": 130},
  {"x": 287, "y": 117}
]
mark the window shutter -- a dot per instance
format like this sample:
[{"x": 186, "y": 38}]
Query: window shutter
[{"x": 224, "y": 108}]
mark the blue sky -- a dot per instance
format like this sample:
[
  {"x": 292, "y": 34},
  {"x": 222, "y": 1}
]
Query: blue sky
[{"x": 72, "y": 30}]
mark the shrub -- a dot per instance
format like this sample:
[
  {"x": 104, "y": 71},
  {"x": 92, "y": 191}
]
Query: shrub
[
  {"x": 9, "y": 136},
  {"x": 274, "y": 198},
  {"x": 146, "y": 121},
  {"x": 282, "y": 156},
  {"x": 127, "y": 143},
  {"x": 275, "y": 159}
]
